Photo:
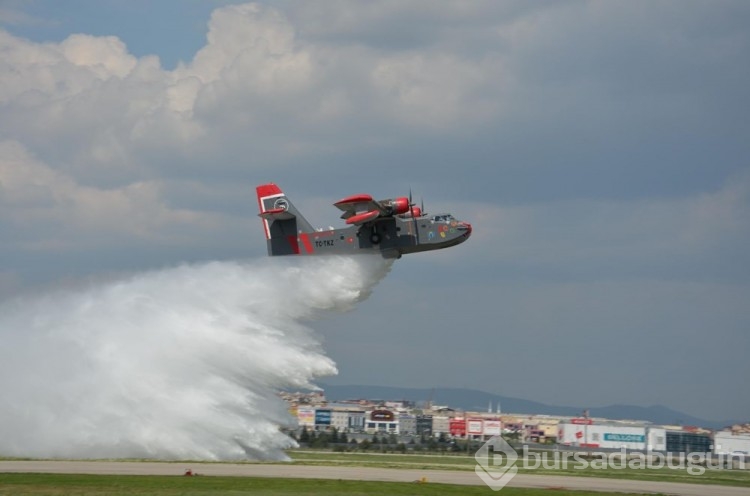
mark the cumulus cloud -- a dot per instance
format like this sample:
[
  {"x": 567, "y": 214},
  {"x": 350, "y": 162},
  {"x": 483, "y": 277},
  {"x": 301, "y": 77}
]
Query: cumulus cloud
[
  {"x": 103, "y": 108},
  {"x": 32, "y": 194},
  {"x": 608, "y": 239}
]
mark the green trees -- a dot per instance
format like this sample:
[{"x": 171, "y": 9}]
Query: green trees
[{"x": 304, "y": 436}]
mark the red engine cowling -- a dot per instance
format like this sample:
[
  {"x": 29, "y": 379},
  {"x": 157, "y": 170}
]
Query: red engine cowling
[
  {"x": 416, "y": 212},
  {"x": 399, "y": 205}
]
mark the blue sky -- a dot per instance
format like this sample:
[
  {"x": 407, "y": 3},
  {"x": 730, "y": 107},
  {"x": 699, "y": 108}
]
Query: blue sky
[
  {"x": 600, "y": 149},
  {"x": 172, "y": 30}
]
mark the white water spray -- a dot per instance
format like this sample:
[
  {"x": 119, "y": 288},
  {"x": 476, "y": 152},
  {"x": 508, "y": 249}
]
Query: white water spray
[{"x": 182, "y": 363}]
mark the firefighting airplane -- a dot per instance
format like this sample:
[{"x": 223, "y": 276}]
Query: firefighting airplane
[{"x": 391, "y": 227}]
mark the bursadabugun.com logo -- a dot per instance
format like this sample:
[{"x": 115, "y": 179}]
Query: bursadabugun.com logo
[{"x": 498, "y": 462}]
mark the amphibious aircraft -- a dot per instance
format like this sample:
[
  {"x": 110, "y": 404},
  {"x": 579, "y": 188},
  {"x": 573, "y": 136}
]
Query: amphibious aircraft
[{"x": 392, "y": 227}]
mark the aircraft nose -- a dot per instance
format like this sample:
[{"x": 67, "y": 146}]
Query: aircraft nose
[{"x": 465, "y": 226}]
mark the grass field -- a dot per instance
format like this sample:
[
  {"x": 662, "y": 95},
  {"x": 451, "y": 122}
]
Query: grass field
[
  {"x": 101, "y": 485},
  {"x": 464, "y": 462},
  {"x": 116, "y": 485}
]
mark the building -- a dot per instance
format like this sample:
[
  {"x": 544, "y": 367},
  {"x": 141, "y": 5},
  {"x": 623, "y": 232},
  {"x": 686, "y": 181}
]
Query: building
[
  {"x": 688, "y": 442},
  {"x": 440, "y": 425},
  {"x": 732, "y": 443},
  {"x": 323, "y": 419},
  {"x": 457, "y": 427},
  {"x": 407, "y": 424},
  {"x": 340, "y": 420},
  {"x": 382, "y": 421},
  {"x": 475, "y": 427},
  {"x": 586, "y": 433},
  {"x": 356, "y": 421},
  {"x": 480, "y": 428},
  {"x": 306, "y": 416},
  {"x": 424, "y": 425},
  {"x": 492, "y": 427}
]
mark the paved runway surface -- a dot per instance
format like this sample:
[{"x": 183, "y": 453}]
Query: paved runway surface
[{"x": 363, "y": 473}]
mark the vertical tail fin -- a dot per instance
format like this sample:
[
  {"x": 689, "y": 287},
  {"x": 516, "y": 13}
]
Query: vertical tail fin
[{"x": 282, "y": 222}]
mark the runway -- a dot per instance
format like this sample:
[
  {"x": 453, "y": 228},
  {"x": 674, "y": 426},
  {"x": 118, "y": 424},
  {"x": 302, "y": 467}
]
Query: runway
[{"x": 362, "y": 473}]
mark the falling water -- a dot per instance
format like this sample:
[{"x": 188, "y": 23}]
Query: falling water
[{"x": 182, "y": 363}]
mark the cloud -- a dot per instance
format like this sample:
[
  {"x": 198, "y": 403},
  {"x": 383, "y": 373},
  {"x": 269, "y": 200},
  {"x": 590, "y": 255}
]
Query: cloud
[
  {"x": 255, "y": 90},
  {"x": 670, "y": 238},
  {"x": 35, "y": 196}
]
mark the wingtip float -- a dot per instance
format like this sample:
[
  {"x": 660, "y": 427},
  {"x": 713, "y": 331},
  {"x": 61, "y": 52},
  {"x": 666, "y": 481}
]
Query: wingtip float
[{"x": 391, "y": 228}]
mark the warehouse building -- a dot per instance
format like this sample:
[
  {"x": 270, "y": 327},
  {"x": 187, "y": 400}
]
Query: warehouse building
[
  {"x": 585, "y": 433},
  {"x": 731, "y": 443}
]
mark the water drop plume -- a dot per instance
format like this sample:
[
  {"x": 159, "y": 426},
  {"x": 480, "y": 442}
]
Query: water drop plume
[{"x": 182, "y": 363}]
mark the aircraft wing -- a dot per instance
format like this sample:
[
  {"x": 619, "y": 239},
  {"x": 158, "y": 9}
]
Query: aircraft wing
[{"x": 360, "y": 209}]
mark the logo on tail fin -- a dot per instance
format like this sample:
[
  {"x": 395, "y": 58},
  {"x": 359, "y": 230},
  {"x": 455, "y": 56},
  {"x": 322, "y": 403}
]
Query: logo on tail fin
[{"x": 280, "y": 219}]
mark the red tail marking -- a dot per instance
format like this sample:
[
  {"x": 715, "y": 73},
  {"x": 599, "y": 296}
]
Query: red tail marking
[
  {"x": 269, "y": 189},
  {"x": 293, "y": 242},
  {"x": 264, "y": 191},
  {"x": 306, "y": 242}
]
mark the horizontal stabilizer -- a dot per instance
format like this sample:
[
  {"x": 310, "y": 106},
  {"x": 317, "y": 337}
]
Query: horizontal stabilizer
[{"x": 276, "y": 214}]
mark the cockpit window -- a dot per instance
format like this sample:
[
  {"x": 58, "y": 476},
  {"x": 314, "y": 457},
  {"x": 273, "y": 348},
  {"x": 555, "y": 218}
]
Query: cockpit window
[{"x": 442, "y": 218}]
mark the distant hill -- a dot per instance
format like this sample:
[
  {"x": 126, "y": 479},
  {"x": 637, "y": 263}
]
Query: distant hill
[{"x": 471, "y": 399}]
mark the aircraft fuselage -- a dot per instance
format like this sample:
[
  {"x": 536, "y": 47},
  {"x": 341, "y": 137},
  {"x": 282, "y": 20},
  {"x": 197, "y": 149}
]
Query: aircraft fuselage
[{"x": 391, "y": 237}]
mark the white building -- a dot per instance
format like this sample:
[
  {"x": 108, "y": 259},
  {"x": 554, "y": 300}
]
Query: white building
[
  {"x": 306, "y": 416},
  {"x": 586, "y": 433},
  {"x": 346, "y": 420},
  {"x": 340, "y": 420},
  {"x": 441, "y": 425},
  {"x": 728, "y": 443},
  {"x": 384, "y": 421}
]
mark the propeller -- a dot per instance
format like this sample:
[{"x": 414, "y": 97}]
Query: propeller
[
  {"x": 412, "y": 204},
  {"x": 413, "y": 218}
]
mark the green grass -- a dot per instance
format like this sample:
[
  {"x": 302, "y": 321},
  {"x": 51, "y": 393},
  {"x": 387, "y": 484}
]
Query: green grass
[
  {"x": 465, "y": 462},
  {"x": 48, "y": 484},
  {"x": 116, "y": 485}
]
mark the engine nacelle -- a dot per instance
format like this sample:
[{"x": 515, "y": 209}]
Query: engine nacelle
[
  {"x": 398, "y": 206},
  {"x": 416, "y": 212}
]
